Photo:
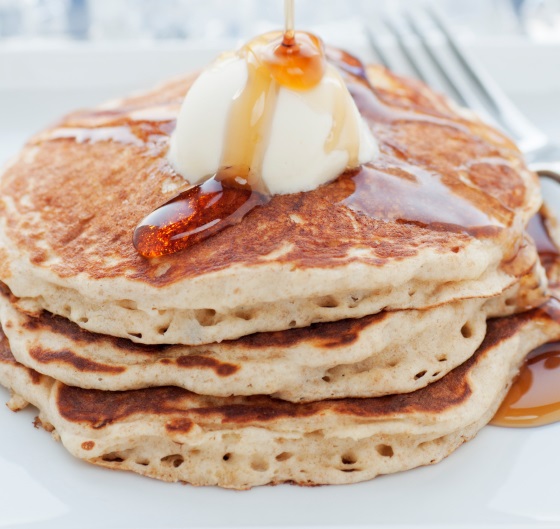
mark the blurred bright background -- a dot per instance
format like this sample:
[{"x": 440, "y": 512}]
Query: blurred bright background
[
  {"x": 56, "y": 55},
  {"x": 211, "y": 20}
]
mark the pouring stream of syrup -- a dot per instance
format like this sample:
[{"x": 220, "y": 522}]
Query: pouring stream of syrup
[{"x": 289, "y": 16}]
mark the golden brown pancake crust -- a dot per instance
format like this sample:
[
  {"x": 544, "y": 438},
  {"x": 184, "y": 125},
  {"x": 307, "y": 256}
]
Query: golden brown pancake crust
[
  {"x": 325, "y": 334},
  {"x": 79, "y": 198},
  {"x": 46, "y": 356},
  {"x": 6, "y": 355},
  {"x": 100, "y": 408}
]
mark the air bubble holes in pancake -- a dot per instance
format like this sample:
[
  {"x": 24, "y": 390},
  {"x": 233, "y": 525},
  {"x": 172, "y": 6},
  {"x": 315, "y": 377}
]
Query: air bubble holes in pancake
[
  {"x": 173, "y": 460},
  {"x": 348, "y": 460},
  {"x": 116, "y": 458},
  {"x": 467, "y": 330},
  {"x": 385, "y": 450},
  {"x": 437, "y": 442},
  {"x": 259, "y": 464},
  {"x": 127, "y": 304},
  {"x": 244, "y": 314},
  {"x": 206, "y": 317},
  {"x": 327, "y": 302},
  {"x": 318, "y": 435}
]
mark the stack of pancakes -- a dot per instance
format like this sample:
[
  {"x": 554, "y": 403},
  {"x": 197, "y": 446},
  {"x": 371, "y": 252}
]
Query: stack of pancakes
[{"x": 366, "y": 327}]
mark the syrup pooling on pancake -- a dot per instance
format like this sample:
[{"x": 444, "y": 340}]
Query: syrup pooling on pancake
[
  {"x": 230, "y": 194},
  {"x": 395, "y": 188},
  {"x": 418, "y": 198},
  {"x": 195, "y": 215},
  {"x": 292, "y": 127},
  {"x": 401, "y": 107},
  {"x": 407, "y": 194},
  {"x": 534, "y": 397}
]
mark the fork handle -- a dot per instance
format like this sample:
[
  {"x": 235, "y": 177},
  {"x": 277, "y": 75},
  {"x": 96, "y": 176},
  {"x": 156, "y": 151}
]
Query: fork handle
[{"x": 547, "y": 170}]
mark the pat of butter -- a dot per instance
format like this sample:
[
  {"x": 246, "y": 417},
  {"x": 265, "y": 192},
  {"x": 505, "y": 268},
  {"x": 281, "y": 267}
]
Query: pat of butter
[{"x": 310, "y": 138}]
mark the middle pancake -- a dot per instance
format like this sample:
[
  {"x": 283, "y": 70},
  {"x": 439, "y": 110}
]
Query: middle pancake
[{"x": 386, "y": 353}]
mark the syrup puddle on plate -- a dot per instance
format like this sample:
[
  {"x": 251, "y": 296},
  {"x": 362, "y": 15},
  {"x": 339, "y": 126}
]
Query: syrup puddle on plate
[{"x": 534, "y": 398}]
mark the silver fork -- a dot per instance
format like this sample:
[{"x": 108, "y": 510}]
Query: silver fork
[{"x": 450, "y": 68}]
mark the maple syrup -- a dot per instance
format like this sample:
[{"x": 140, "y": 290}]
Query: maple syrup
[
  {"x": 534, "y": 398},
  {"x": 195, "y": 215},
  {"x": 399, "y": 191},
  {"x": 418, "y": 197},
  {"x": 140, "y": 133},
  {"x": 548, "y": 252},
  {"x": 296, "y": 62},
  {"x": 348, "y": 64},
  {"x": 291, "y": 59}
]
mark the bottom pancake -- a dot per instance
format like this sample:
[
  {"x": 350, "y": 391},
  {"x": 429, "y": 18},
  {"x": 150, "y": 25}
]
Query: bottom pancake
[{"x": 238, "y": 442}]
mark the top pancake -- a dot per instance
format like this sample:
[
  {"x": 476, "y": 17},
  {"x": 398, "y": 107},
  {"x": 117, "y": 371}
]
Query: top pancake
[{"x": 444, "y": 204}]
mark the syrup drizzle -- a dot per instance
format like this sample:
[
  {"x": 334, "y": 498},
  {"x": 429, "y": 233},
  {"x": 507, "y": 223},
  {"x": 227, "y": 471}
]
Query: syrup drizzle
[
  {"x": 289, "y": 15},
  {"x": 294, "y": 60},
  {"x": 534, "y": 397},
  {"x": 426, "y": 198},
  {"x": 195, "y": 214},
  {"x": 419, "y": 197},
  {"x": 548, "y": 252}
]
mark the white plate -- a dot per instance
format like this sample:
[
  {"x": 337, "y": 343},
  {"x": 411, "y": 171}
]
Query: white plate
[{"x": 503, "y": 478}]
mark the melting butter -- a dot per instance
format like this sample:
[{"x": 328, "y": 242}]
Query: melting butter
[{"x": 276, "y": 113}]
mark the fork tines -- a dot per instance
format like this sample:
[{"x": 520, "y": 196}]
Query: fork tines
[{"x": 427, "y": 48}]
